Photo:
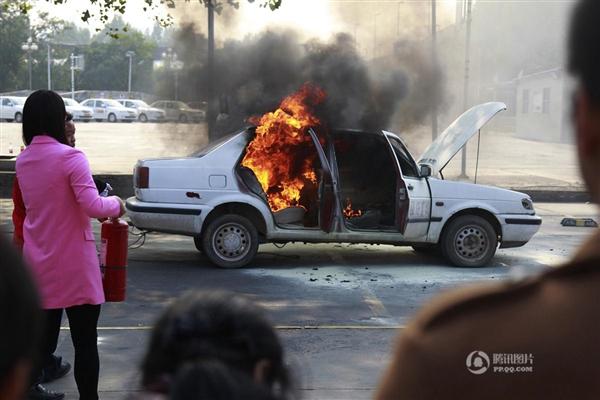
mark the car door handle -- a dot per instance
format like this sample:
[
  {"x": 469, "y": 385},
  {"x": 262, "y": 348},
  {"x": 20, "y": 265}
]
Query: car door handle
[{"x": 410, "y": 187}]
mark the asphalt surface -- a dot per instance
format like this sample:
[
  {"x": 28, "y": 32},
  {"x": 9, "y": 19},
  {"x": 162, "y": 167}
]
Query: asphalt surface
[{"x": 337, "y": 307}]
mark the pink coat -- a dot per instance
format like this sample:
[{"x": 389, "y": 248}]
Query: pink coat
[{"x": 60, "y": 198}]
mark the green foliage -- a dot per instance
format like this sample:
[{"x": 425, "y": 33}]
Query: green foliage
[{"x": 14, "y": 31}]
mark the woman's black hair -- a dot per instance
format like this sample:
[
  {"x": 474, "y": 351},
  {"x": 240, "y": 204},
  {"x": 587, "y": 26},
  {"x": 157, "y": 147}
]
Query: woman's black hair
[
  {"x": 215, "y": 380},
  {"x": 218, "y": 327},
  {"x": 44, "y": 114}
]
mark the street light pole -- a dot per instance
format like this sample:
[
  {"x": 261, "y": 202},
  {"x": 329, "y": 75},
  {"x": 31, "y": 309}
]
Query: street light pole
[
  {"x": 29, "y": 46},
  {"x": 211, "y": 70},
  {"x": 130, "y": 54},
  {"x": 463, "y": 165},
  {"x": 434, "y": 121}
]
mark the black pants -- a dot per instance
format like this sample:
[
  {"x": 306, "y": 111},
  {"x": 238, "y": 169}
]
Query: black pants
[{"x": 83, "y": 321}]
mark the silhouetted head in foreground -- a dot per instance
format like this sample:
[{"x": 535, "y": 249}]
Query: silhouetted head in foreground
[
  {"x": 21, "y": 324},
  {"x": 584, "y": 65},
  {"x": 215, "y": 345}
]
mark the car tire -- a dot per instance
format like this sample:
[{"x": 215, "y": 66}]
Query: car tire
[
  {"x": 230, "y": 241},
  {"x": 112, "y": 117},
  {"x": 18, "y": 117},
  {"x": 469, "y": 241},
  {"x": 183, "y": 118},
  {"x": 143, "y": 118}
]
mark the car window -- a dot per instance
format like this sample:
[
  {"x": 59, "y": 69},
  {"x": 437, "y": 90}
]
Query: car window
[
  {"x": 5, "y": 102},
  {"x": 405, "y": 160},
  {"x": 99, "y": 103}
]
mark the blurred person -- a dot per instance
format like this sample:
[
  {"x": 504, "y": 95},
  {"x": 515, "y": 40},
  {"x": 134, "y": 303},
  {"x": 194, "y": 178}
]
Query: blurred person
[
  {"x": 19, "y": 337},
  {"x": 60, "y": 198},
  {"x": 534, "y": 339},
  {"x": 214, "y": 345}
]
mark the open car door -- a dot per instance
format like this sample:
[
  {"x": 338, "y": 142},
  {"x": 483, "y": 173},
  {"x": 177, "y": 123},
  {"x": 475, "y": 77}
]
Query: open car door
[
  {"x": 402, "y": 199},
  {"x": 328, "y": 210}
]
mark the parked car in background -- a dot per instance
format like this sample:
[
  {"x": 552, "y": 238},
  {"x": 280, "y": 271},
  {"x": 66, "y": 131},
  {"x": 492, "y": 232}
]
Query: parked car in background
[
  {"x": 367, "y": 188},
  {"x": 79, "y": 112},
  {"x": 110, "y": 110},
  {"x": 145, "y": 112},
  {"x": 179, "y": 111},
  {"x": 11, "y": 108}
]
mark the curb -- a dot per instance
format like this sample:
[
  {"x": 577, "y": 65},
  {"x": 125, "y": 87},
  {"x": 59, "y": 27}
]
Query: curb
[{"x": 123, "y": 187}]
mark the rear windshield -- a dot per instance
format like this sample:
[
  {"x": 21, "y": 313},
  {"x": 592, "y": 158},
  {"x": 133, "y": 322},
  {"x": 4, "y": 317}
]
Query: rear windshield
[{"x": 212, "y": 145}]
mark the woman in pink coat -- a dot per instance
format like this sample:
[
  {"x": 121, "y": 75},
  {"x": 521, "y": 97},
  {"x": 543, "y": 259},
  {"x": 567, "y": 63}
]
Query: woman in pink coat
[{"x": 60, "y": 198}]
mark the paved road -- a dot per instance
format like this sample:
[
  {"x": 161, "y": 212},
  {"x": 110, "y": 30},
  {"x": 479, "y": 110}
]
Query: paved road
[{"x": 338, "y": 308}]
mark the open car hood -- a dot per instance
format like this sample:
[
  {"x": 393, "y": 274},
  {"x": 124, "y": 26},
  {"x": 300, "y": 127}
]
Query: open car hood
[{"x": 440, "y": 152}]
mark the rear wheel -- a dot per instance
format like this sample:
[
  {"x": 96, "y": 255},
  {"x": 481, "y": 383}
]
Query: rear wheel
[
  {"x": 230, "y": 241},
  {"x": 469, "y": 241}
]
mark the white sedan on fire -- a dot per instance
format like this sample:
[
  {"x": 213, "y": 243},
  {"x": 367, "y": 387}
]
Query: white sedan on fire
[{"x": 350, "y": 186}]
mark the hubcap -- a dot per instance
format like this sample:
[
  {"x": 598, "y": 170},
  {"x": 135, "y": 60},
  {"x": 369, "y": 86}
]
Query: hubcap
[
  {"x": 471, "y": 242},
  {"x": 231, "y": 242}
]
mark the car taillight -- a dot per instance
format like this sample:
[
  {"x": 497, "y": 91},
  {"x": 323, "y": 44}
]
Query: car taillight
[{"x": 143, "y": 177}]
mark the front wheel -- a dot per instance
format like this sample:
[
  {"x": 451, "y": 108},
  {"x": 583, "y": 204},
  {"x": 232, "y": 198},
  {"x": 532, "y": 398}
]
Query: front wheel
[
  {"x": 469, "y": 241},
  {"x": 143, "y": 118},
  {"x": 18, "y": 117},
  {"x": 112, "y": 118},
  {"x": 230, "y": 241},
  {"x": 183, "y": 118}
]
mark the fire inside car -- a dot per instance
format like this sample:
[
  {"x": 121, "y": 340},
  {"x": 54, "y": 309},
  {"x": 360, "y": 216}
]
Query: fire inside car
[{"x": 281, "y": 165}]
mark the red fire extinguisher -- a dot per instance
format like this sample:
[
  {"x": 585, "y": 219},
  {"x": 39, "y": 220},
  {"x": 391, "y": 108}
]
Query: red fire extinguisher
[{"x": 113, "y": 258}]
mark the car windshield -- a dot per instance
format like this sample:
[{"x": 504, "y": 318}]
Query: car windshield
[
  {"x": 70, "y": 102},
  {"x": 112, "y": 103},
  {"x": 181, "y": 104},
  {"x": 139, "y": 103},
  {"x": 18, "y": 100}
]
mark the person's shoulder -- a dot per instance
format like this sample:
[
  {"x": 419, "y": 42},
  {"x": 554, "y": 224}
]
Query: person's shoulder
[{"x": 467, "y": 304}]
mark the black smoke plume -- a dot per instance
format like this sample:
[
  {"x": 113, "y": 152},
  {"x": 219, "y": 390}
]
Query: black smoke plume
[{"x": 253, "y": 75}]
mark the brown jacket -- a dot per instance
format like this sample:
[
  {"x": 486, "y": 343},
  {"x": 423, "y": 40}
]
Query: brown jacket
[{"x": 541, "y": 338}]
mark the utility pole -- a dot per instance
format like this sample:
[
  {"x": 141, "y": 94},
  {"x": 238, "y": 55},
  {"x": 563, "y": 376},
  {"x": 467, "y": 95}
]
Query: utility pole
[
  {"x": 434, "y": 121},
  {"x": 49, "y": 67},
  {"x": 211, "y": 70},
  {"x": 72, "y": 76},
  {"x": 463, "y": 166},
  {"x": 130, "y": 55}
]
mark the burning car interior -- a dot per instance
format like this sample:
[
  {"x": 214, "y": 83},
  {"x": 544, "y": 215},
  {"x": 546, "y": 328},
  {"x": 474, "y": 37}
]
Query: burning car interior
[{"x": 367, "y": 180}]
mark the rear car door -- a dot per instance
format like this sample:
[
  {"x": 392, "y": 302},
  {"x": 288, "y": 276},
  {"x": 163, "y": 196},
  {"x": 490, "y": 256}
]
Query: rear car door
[{"x": 328, "y": 210}]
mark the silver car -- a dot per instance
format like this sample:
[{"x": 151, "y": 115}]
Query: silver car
[
  {"x": 366, "y": 187},
  {"x": 145, "y": 112},
  {"x": 178, "y": 111}
]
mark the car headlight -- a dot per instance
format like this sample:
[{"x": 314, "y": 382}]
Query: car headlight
[{"x": 527, "y": 204}]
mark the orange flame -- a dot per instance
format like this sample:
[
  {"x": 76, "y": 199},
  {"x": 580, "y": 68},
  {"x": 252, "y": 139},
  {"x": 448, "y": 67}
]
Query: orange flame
[
  {"x": 282, "y": 153},
  {"x": 349, "y": 212}
]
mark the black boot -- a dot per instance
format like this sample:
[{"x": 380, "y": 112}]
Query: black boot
[{"x": 39, "y": 392}]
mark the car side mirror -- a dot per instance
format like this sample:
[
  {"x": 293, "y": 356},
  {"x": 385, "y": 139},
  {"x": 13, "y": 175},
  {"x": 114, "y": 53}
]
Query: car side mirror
[{"x": 425, "y": 171}]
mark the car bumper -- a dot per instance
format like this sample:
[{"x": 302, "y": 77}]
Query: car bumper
[
  {"x": 518, "y": 229},
  {"x": 185, "y": 219}
]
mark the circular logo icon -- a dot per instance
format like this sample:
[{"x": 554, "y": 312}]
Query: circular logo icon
[{"x": 478, "y": 362}]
